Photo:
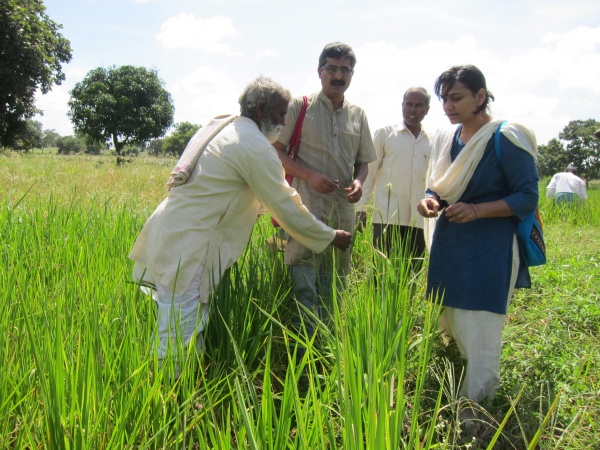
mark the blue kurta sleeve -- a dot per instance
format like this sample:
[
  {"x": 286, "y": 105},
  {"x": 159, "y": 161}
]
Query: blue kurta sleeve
[
  {"x": 430, "y": 193},
  {"x": 521, "y": 176}
]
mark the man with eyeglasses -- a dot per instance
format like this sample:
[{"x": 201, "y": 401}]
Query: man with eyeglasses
[{"x": 331, "y": 166}]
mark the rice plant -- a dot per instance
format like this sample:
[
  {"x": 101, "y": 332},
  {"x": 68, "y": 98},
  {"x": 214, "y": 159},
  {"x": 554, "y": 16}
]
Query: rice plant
[{"x": 79, "y": 371}]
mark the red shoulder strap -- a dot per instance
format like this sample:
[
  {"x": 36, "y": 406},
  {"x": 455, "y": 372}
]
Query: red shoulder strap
[{"x": 294, "y": 145}]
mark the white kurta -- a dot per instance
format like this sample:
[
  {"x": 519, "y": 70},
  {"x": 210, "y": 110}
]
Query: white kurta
[
  {"x": 207, "y": 221},
  {"x": 566, "y": 182},
  {"x": 397, "y": 178}
]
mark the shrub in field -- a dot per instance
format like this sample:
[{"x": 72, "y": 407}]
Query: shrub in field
[
  {"x": 94, "y": 148},
  {"x": 175, "y": 143},
  {"x": 69, "y": 144}
]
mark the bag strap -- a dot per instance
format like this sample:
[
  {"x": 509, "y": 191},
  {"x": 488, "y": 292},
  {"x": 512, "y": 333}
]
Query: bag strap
[
  {"x": 497, "y": 141},
  {"x": 499, "y": 156},
  {"x": 195, "y": 147},
  {"x": 294, "y": 145}
]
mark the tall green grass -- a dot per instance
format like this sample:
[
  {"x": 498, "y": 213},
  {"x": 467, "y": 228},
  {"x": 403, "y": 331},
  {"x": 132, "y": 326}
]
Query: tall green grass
[{"x": 78, "y": 370}]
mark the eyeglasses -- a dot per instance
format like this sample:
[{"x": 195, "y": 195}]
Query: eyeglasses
[{"x": 332, "y": 70}]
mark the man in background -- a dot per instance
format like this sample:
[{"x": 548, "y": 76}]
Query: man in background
[
  {"x": 397, "y": 181},
  {"x": 566, "y": 187}
]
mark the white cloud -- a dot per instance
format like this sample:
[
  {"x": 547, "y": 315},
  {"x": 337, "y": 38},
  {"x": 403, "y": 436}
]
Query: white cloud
[
  {"x": 570, "y": 60},
  {"x": 384, "y": 71},
  {"x": 267, "y": 53},
  {"x": 54, "y": 104},
  {"x": 531, "y": 87},
  {"x": 540, "y": 58},
  {"x": 54, "y": 108},
  {"x": 577, "y": 60},
  {"x": 553, "y": 83},
  {"x": 192, "y": 32},
  {"x": 204, "y": 94}
]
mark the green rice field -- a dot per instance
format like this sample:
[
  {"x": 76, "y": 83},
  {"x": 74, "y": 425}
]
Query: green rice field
[{"x": 77, "y": 370}]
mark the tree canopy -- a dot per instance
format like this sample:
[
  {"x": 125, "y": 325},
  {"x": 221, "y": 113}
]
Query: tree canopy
[
  {"x": 122, "y": 105},
  {"x": 32, "y": 52},
  {"x": 70, "y": 144},
  {"x": 49, "y": 138},
  {"x": 582, "y": 149},
  {"x": 552, "y": 158},
  {"x": 175, "y": 143},
  {"x": 155, "y": 147},
  {"x": 30, "y": 137}
]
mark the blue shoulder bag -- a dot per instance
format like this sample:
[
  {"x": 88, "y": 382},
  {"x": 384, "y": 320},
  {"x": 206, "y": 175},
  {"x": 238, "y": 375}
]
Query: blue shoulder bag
[{"x": 529, "y": 230}]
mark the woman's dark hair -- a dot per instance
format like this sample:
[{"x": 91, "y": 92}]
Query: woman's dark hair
[{"x": 468, "y": 75}]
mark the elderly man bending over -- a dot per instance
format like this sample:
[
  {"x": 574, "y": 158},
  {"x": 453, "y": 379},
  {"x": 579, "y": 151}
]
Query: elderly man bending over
[
  {"x": 566, "y": 187},
  {"x": 227, "y": 170}
]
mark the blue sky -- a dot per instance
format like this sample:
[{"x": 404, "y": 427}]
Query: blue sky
[{"x": 541, "y": 58}]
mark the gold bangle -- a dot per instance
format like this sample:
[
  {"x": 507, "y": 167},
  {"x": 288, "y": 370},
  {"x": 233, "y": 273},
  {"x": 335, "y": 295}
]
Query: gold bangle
[{"x": 474, "y": 209}]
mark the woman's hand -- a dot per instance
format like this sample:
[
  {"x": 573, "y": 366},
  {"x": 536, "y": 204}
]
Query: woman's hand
[
  {"x": 461, "y": 212},
  {"x": 429, "y": 207}
]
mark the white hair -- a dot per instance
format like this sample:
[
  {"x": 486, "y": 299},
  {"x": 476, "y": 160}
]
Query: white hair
[
  {"x": 420, "y": 90},
  {"x": 264, "y": 91}
]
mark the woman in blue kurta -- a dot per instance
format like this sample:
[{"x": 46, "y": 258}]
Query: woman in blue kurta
[{"x": 474, "y": 259}]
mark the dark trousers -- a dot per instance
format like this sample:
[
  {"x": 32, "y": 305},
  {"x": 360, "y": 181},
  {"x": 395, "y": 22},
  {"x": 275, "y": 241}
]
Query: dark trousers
[{"x": 400, "y": 242}]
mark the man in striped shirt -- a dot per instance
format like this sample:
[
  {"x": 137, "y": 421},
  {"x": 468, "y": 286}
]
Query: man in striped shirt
[{"x": 331, "y": 166}]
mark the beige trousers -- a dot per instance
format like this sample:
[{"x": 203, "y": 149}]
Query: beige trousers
[{"x": 478, "y": 335}]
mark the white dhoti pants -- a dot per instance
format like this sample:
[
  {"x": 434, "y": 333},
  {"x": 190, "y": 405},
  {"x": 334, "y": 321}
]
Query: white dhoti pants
[
  {"x": 180, "y": 317},
  {"x": 478, "y": 335}
]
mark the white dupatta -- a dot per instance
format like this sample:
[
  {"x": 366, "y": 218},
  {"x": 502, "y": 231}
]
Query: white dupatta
[
  {"x": 194, "y": 149},
  {"x": 449, "y": 179}
]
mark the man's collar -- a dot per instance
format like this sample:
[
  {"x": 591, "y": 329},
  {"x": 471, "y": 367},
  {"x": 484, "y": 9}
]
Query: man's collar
[
  {"x": 403, "y": 126},
  {"x": 328, "y": 101}
]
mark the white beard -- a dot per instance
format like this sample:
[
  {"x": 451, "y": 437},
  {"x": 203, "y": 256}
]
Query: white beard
[{"x": 270, "y": 129}]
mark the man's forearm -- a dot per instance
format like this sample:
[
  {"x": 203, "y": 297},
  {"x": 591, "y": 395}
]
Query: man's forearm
[
  {"x": 361, "y": 170},
  {"x": 290, "y": 166}
]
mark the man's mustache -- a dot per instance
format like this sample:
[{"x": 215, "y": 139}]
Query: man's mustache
[{"x": 338, "y": 82}]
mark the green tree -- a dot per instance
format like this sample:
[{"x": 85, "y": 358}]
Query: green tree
[
  {"x": 577, "y": 146},
  {"x": 94, "y": 148},
  {"x": 175, "y": 143},
  {"x": 583, "y": 147},
  {"x": 30, "y": 137},
  {"x": 49, "y": 138},
  {"x": 155, "y": 147},
  {"x": 32, "y": 52},
  {"x": 69, "y": 144},
  {"x": 123, "y": 105},
  {"x": 552, "y": 158},
  {"x": 131, "y": 150}
]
